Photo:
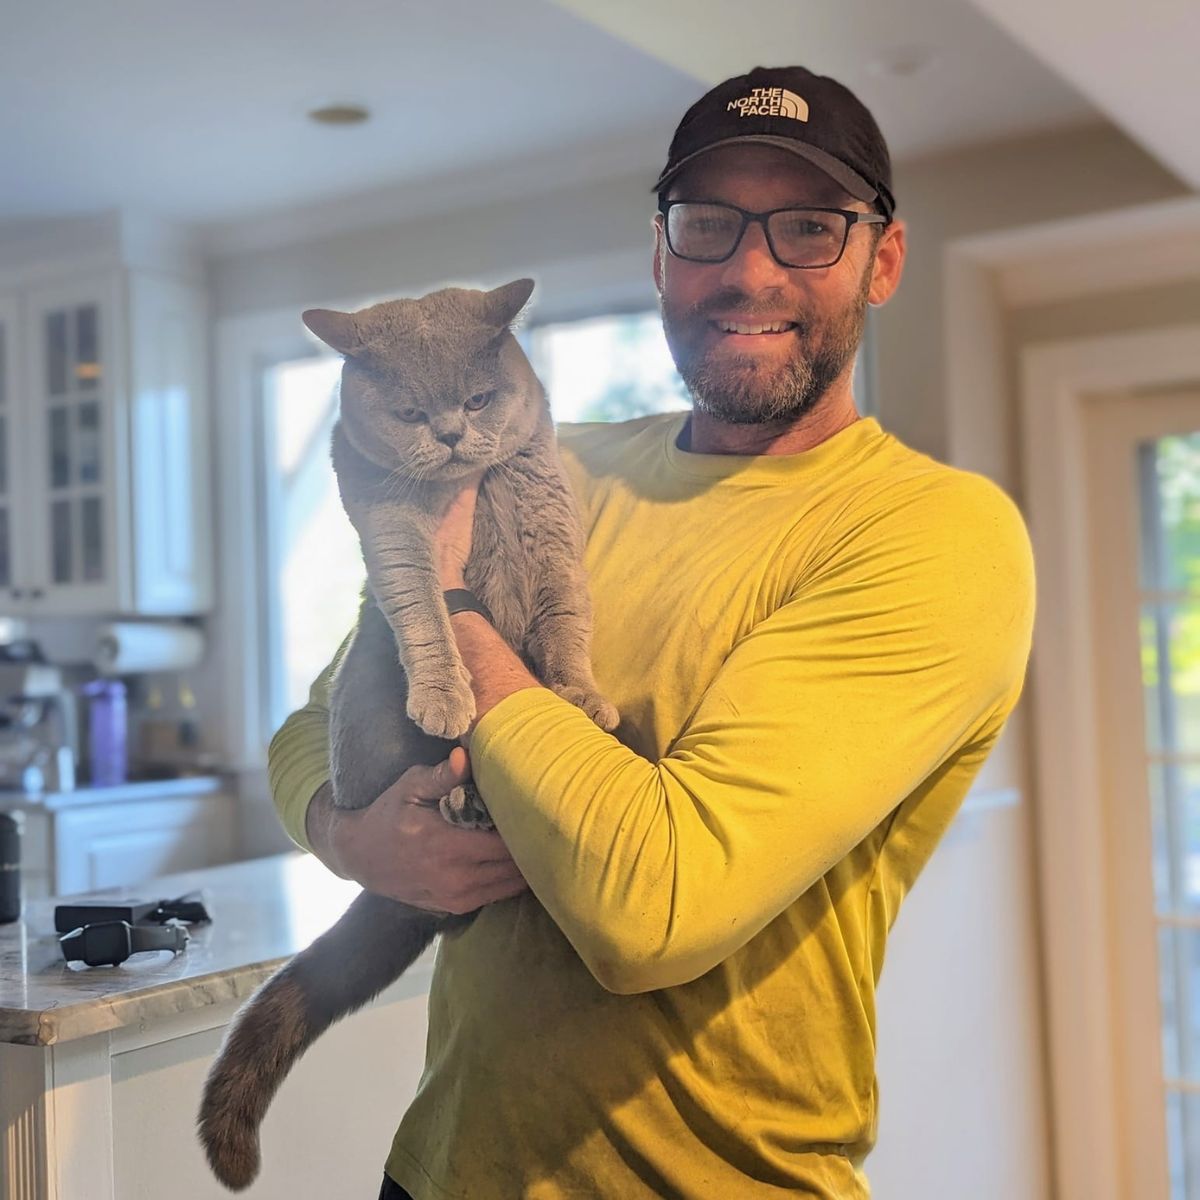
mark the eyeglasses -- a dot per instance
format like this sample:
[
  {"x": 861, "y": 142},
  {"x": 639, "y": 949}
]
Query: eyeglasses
[{"x": 797, "y": 237}]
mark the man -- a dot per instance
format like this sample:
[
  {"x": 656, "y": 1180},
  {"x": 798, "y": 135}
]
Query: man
[{"x": 814, "y": 636}]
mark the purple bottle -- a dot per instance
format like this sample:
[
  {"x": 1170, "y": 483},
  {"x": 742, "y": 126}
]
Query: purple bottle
[{"x": 107, "y": 729}]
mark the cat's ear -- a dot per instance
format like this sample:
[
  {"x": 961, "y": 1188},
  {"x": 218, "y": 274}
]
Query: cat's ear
[
  {"x": 338, "y": 330},
  {"x": 502, "y": 305}
]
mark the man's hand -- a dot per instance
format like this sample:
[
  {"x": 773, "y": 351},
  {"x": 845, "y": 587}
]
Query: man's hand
[
  {"x": 402, "y": 847},
  {"x": 452, "y": 538}
]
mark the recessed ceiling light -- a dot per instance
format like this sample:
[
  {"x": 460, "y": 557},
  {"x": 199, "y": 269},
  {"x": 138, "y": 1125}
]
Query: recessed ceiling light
[
  {"x": 902, "y": 62},
  {"x": 339, "y": 114}
]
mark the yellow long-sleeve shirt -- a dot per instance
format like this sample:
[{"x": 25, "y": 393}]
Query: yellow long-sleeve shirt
[{"x": 812, "y": 654}]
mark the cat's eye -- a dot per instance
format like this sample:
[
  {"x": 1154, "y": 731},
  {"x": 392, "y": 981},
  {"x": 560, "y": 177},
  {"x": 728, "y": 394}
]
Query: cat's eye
[
  {"x": 479, "y": 400},
  {"x": 411, "y": 415}
]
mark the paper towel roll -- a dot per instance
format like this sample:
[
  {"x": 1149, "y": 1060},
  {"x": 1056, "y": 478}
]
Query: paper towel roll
[{"x": 130, "y": 647}]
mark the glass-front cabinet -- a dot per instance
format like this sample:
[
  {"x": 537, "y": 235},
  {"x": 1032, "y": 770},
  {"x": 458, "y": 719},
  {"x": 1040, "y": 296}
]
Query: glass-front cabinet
[
  {"x": 104, "y": 501},
  {"x": 73, "y": 484}
]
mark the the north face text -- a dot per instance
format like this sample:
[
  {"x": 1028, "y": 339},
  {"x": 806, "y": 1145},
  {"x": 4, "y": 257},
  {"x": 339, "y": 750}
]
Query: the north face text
[{"x": 770, "y": 102}]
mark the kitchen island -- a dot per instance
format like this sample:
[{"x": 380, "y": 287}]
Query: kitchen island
[{"x": 101, "y": 1067}]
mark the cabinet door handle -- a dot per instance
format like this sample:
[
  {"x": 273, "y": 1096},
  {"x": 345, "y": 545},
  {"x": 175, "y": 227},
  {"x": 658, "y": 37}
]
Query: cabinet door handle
[
  {"x": 36, "y": 594},
  {"x": 17, "y": 593}
]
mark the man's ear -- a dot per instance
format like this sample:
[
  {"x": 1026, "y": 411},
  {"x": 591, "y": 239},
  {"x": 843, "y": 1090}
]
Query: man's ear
[
  {"x": 888, "y": 264},
  {"x": 660, "y": 251}
]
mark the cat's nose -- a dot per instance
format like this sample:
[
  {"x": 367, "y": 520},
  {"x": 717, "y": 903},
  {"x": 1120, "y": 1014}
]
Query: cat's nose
[{"x": 450, "y": 437}]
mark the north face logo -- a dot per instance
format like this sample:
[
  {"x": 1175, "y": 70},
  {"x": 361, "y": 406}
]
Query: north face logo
[{"x": 770, "y": 102}]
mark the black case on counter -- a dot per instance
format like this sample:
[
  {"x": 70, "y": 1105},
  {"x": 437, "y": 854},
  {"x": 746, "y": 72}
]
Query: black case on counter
[{"x": 90, "y": 912}]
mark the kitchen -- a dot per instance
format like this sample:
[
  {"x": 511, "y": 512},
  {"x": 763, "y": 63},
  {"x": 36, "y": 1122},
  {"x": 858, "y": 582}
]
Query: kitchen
[{"x": 149, "y": 300}]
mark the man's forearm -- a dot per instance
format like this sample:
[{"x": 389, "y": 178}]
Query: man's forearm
[
  {"x": 318, "y": 825},
  {"x": 496, "y": 672}
]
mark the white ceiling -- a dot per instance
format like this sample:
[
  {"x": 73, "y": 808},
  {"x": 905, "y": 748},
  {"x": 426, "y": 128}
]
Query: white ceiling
[
  {"x": 195, "y": 112},
  {"x": 1134, "y": 59}
]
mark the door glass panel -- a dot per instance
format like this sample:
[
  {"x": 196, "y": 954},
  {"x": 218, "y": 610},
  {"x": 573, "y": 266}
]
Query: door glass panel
[
  {"x": 87, "y": 348},
  {"x": 60, "y": 541},
  {"x": 56, "y": 353},
  {"x": 60, "y": 448},
  {"x": 1175, "y": 822},
  {"x": 1190, "y": 1148},
  {"x": 87, "y": 448},
  {"x": 93, "y": 543},
  {"x": 1169, "y": 620},
  {"x": 1171, "y": 644},
  {"x": 1175, "y": 1145}
]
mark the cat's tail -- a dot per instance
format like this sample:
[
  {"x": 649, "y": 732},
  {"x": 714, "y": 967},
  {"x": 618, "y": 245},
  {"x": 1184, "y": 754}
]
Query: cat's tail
[{"x": 370, "y": 946}]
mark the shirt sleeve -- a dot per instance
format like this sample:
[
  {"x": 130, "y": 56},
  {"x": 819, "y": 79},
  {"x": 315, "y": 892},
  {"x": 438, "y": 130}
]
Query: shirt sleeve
[
  {"x": 910, "y": 644},
  {"x": 298, "y": 756}
]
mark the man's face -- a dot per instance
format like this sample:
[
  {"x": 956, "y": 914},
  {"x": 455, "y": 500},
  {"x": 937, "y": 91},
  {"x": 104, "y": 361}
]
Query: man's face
[{"x": 751, "y": 378}]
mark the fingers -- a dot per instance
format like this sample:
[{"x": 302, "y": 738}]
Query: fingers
[
  {"x": 432, "y": 783},
  {"x": 481, "y": 885},
  {"x": 501, "y": 890}
]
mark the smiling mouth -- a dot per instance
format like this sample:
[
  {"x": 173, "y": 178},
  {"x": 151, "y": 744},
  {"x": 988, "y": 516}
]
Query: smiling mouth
[{"x": 754, "y": 328}]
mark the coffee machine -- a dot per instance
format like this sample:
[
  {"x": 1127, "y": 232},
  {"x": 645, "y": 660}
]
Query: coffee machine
[{"x": 39, "y": 727}]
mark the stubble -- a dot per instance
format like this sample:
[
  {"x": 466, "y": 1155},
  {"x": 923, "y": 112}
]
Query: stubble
[{"x": 747, "y": 389}]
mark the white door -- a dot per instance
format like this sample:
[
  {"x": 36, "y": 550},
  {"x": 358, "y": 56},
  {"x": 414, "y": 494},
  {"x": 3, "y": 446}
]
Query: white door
[{"x": 1143, "y": 464}]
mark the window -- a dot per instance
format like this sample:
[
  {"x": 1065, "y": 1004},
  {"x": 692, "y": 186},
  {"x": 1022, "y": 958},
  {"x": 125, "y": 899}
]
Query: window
[
  {"x": 606, "y": 368},
  {"x": 603, "y": 368},
  {"x": 315, "y": 569}
]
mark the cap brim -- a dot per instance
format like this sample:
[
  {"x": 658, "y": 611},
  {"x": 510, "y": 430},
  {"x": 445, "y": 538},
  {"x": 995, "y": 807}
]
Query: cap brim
[{"x": 837, "y": 170}]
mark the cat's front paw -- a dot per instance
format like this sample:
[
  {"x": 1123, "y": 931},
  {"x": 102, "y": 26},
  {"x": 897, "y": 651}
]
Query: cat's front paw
[
  {"x": 445, "y": 711},
  {"x": 592, "y": 703},
  {"x": 464, "y": 807}
]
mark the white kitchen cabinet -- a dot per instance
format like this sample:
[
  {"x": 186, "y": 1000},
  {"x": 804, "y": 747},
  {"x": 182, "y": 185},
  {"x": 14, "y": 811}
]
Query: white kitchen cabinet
[
  {"x": 106, "y": 496},
  {"x": 120, "y": 836},
  {"x": 121, "y": 845}
]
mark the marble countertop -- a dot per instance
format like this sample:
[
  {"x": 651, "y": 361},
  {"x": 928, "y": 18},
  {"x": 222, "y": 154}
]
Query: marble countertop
[{"x": 263, "y": 911}]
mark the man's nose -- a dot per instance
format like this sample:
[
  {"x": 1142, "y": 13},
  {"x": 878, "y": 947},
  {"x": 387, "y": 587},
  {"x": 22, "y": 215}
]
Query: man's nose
[{"x": 753, "y": 266}]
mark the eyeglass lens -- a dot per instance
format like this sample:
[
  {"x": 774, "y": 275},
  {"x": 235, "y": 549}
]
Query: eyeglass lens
[{"x": 798, "y": 237}]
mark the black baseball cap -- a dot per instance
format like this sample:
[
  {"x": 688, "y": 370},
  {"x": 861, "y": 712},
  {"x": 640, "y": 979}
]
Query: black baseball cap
[{"x": 811, "y": 115}]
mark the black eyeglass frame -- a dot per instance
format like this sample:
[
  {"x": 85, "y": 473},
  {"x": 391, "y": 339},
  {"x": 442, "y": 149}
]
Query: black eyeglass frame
[{"x": 853, "y": 217}]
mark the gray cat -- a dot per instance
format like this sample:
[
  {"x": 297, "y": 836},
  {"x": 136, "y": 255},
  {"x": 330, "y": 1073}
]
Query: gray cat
[{"x": 432, "y": 389}]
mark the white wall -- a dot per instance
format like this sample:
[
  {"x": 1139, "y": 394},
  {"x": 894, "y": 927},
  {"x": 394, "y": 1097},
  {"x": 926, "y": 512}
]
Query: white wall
[
  {"x": 963, "y": 1109},
  {"x": 587, "y": 244}
]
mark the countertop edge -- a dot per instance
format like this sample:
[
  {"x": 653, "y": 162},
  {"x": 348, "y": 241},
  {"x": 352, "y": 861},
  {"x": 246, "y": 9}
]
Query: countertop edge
[{"x": 52, "y": 1026}]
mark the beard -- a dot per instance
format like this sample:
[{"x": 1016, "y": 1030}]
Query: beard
[{"x": 746, "y": 390}]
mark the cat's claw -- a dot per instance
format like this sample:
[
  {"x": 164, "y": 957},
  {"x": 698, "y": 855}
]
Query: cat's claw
[
  {"x": 464, "y": 807},
  {"x": 592, "y": 703},
  {"x": 441, "y": 713}
]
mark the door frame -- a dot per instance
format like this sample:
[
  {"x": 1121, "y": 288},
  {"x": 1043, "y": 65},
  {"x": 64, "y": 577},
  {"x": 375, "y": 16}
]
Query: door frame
[
  {"x": 1122, "y": 422},
  {"x": 1059, "y": 384},
  {"x": 1027, "y": 433}
]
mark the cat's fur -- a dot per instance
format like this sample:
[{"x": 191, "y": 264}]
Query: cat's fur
[{"x": 417, "y": 373}]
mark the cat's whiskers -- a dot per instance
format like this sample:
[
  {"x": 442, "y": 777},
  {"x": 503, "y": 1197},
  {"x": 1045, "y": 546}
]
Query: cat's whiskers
[
  {"x": 401, "y": 484},
  {"x": 501, "y": 467}
]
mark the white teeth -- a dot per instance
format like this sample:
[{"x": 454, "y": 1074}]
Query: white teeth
[{"x": 774, "y": 327}]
